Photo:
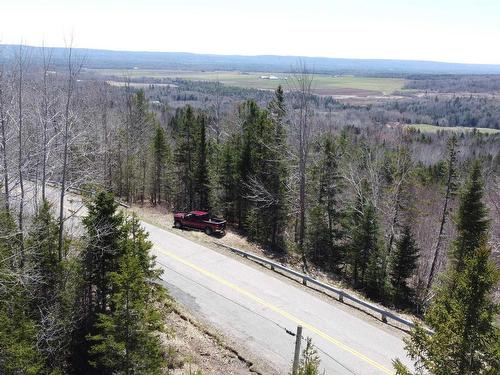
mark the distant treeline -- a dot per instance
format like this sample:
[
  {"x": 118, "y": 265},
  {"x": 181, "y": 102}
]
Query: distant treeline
[
  {"x": 470, "y": 111},
  {"x": 192, "y": 61},
  {"x": 455, "y": 83}
]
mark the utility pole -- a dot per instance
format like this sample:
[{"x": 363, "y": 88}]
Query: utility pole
[{"x": 296, "y": 357}]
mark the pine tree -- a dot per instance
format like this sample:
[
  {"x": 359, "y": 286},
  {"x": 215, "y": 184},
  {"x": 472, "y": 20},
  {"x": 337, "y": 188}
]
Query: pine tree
[
  {"x": 184, "y": 128},
  {"x": 318, "y": 240},
  {"x": 376, "y": 277},
  {"x": 230, "y": 179},
  {"x": 324, "y": 228},
  {"x": 201, "y": 179},
  {"x": 18, "y": 346},
  {"x": 472, "y": 222},
  {"x": 99, "y": 259},
  {"x": 402, "y": 266},
  {"x": 249, "y": 113},
  {"x": 278, "y": 209},
  {"x": 215, "y": 177},
  {"x": 161, "y": 157},
  {"x": 142, "y": 122},
  {"x": 42, "y": 247},
  {"x": 462, "y": 315},
  {"x": 135, "y": 140},
  {"x": 263, "y": 172},
  {"x": 127, "y": 340},
  {"x": 365, "y": 243},
  {"x": 52, "y": 292},
  {"x": 121, "y": 305}
]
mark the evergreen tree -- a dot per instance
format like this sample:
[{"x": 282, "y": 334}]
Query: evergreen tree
[
  {"x": 278, "y": 208},
  {"x": 325, "y": 229},
  {"x": 127, "y": 341},
  {"x": 230, "y": 179},
  {"x": 18, "y": 346},
  {"x": 99, "y": 259},
  {"x": 142, "y": 130},
  {"x": 161, "y": 157},
  {"x": 376, "y": 277},
  {"x": 215, "y": 177},
  {"x": 121, "y": 306},
  {"x": 472, "y": 222},
  {"x": 42, "y": 247},
  {"x": 52, "y": 290},
  {"x": 365, "y": 243},
  {"x": 263, "y": 172},
  {"x": 403, "y": 264},
  {"x": 134, "y": 140},
  {"x": 201, "y": 181},
  {"x": 462, "y": 315},
  {"x": 184, "y": 127},
  {"x": 249, "y": 113},
  {"x": 318, "y": 240}
]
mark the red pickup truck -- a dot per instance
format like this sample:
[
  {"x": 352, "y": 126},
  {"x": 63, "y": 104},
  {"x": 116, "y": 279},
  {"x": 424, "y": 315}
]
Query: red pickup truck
[{"x": 200, "y": 220}]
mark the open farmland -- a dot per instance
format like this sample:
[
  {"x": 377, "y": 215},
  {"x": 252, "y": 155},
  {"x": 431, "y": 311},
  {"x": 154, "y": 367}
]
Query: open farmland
[
  {"x": 426, "y": 128},
  {"x": 323, "y": 84}
]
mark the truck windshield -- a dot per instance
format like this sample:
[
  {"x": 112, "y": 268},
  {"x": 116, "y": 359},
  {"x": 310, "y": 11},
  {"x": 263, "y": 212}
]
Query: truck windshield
[{"x": 204, "y": 217}]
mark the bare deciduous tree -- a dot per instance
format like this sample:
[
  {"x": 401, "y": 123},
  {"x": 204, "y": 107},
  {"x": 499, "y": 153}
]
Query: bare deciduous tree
[
  {"x": 302, "y": 91},
  {"x": 73, "y": 69},
  {"x": 450, "y": 186}
]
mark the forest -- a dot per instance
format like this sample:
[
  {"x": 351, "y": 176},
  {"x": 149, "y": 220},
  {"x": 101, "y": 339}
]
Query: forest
[
  {"x": 382, "y": 210},
  {"x": 455, "y": 83}
]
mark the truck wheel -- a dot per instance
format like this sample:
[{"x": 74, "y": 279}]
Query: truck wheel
[
  {"x": 208, "y": 231},
  {"x": 178, "y": 225}
]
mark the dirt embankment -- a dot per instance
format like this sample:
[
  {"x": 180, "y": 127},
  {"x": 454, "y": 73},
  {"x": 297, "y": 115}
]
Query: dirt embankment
[{"x": 193, "y": 349}]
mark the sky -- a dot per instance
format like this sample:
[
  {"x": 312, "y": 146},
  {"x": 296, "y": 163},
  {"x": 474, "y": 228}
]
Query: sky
[{"x": 466, "y": 31}]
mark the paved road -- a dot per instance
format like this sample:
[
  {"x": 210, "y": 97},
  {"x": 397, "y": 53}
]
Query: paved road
[{"x": 253, "y": 307}]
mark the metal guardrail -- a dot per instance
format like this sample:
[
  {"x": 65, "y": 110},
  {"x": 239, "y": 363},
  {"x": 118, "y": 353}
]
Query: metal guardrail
[{"x": 342, "y": 294}]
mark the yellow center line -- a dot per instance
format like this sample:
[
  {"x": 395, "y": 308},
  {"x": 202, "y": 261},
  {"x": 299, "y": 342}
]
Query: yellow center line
[{"x": 279, "y": 311}]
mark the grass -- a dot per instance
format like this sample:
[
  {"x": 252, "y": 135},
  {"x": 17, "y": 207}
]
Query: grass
[
  {"x": 426, "y": 128},
  {"x": 322, "y": 84}
]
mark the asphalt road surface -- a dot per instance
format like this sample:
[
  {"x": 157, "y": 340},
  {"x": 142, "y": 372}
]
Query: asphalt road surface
[{"x": 253, "y": 308}]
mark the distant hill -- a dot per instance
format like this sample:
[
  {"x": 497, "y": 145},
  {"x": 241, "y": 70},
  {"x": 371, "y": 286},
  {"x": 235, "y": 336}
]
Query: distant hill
[{"x": 266, "y": 63}]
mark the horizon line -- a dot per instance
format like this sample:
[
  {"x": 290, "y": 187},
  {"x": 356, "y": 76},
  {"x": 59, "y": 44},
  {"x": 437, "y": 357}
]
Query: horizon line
[{"x": 250, "y": 55}]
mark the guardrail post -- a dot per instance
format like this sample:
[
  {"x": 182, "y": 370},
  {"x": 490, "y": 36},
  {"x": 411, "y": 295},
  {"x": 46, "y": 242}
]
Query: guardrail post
[
  {"x": 341, "y": 297},
  {"x": 304, "y": 281},
  {"x": 384, "y": 317},
  {"x": 272, "y": 267}
]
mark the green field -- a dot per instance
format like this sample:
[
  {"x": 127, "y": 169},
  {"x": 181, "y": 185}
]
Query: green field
[
  {"x": 322, "y": 84},
  {"x": 426, "y": 128}
]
